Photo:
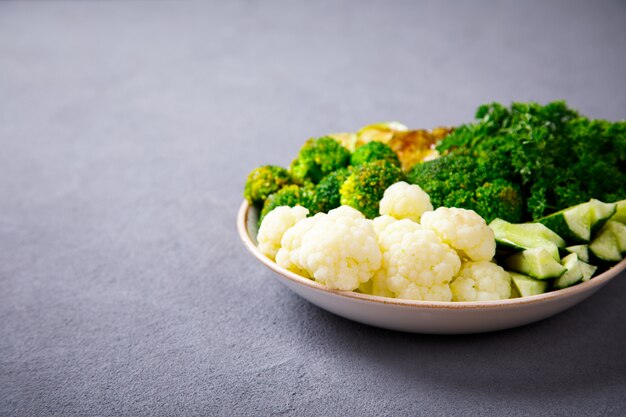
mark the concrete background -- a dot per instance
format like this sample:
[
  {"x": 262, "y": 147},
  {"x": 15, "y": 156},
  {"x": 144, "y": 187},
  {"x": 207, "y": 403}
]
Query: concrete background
[{"x": 126, "y": 132}]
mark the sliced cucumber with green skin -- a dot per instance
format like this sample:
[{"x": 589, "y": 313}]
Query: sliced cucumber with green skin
[
  {"x": 587, "y": 270},
  {"x": 620, "y": 212},
  {"x": 619, "y": 230},
  {"x": 526, "y": 285},
  {"x": 573, "y": 223},
  {"x": 577, "y": 224},
  {"x": 608, "y": 245},
  {"x": 514, "y": 291},
  {"x": 537, "y": 263},
  {"x": 581, "y": 250},
  {"x": 526, "y": 236},
  {"x": 572, "y": 276},
  {"x": 600, "y": 214}
]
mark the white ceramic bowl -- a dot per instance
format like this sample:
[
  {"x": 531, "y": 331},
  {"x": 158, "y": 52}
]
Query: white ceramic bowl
[{"x": 424, "y": 316}]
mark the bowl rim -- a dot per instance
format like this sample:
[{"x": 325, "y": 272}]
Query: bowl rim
[{"x": 598, "y": 281}]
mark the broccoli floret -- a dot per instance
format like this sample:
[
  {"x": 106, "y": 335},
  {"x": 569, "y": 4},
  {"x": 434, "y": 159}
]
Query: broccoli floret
[
  {"x": 263, "y": 181},
  {"x": 499, "y": 199},
  {"x": 374, "y": 151},
  {"x": 365, "y": 186},
  {"x": 445, "y": 175},
  {"x": 470, "y": 183},
  {"x": 290, "y": 195},
  {"x": 318, "y": 158},
  {"x": 327, "y": 194}
]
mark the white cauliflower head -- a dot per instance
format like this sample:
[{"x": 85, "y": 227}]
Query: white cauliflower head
[
  {"x": 338, "y": 249},
  {"x": 380, "y": 223},
  {"x": 376, "y": 286},
  {"x": 405, "y": 201},
  {"x": 416, "y": 264},
  {"x": 291, "y": 243},
  {"x": 464, "y": 230},
  {"x": 379, "y": 285},
  {"x": 274, "y": 225},
  {"x": 481, "y": 281}
]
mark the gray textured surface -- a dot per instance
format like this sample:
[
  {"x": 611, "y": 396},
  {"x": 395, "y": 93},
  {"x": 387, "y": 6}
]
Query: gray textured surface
[{"x": 126, "y": 132}]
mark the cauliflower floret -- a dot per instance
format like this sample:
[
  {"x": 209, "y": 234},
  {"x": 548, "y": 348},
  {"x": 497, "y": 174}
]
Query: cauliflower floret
[
  {"x": 337, "y": 249},
  {"x": 416, "y": 264},
  {"x": 379, "y": 285},
  {"x": 434, "y": 293},
  {"x": 381, "y": 223},
  {"x": 404, "y": 201},
  {"x": 365, "y": 287},
  {"x": 376, "y": 286},
  {"x": 275, "y": 224},
  {"x": 464, "y": 230},
  {"x": 480, "y": 281},
  {"x": 291, "y": 243}
]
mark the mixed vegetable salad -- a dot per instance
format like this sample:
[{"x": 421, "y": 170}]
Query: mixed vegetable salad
[{"x": 525, "y": 199}]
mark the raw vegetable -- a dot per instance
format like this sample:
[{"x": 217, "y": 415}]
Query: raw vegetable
[
  {"x": 263, "y": 181},
  {"x": 514, "y": 291},
  {"x": 576, "y": 224},
  {"x": 381, "y": 222},
  {"x": 619, "y": 230},
  {"x": 327, "y": 195},
  {"x": 318, "y": 158},
  {"x": 374, "y": 151},
  {"x": 527, "y": 286},
  {"x": 337, "y": 249},
  {"x": 290, "y": 195},
  {"x": 365, "y": 186},
  {"x": 464, "y": 230},
  {"x": 537, "y": 263},
  {"x": 463, "y": 181},
  {"x": 587, "y": 270},
  {"x": 582, "y": 251},
  {"x": 416, "y": 264},
  {"x": 276, "y": 223},
  {"x": 610, "y": 242},
  {"x": 527, "y": 236},
  {"x": 481, "y": 281},
  {"x": 405, "y": 201},
  {"x": 620, "y": 212},
  {"x": 573, "y": 274}
]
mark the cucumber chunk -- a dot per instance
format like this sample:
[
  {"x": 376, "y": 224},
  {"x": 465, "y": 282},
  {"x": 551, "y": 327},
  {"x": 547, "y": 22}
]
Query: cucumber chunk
[
  {"x": 581, "y": 250},
  {"x": 610, "y": 242},
  {"x": 526, "y": 236},
  {"x": 573, "y": 223},
  {"x": 572, "y": 276},
  {"x": 537, "y": 263},
  {"x": 514, "y": 291},
  {"x": 620, "y": 212},
  {"x": 578, "y": 223},
  {"x": 526, "y": 285},
  {"x": 600, "y": 214},
  {"x": 619, "y": 230},
  {"x": 587, "y": 270}
]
